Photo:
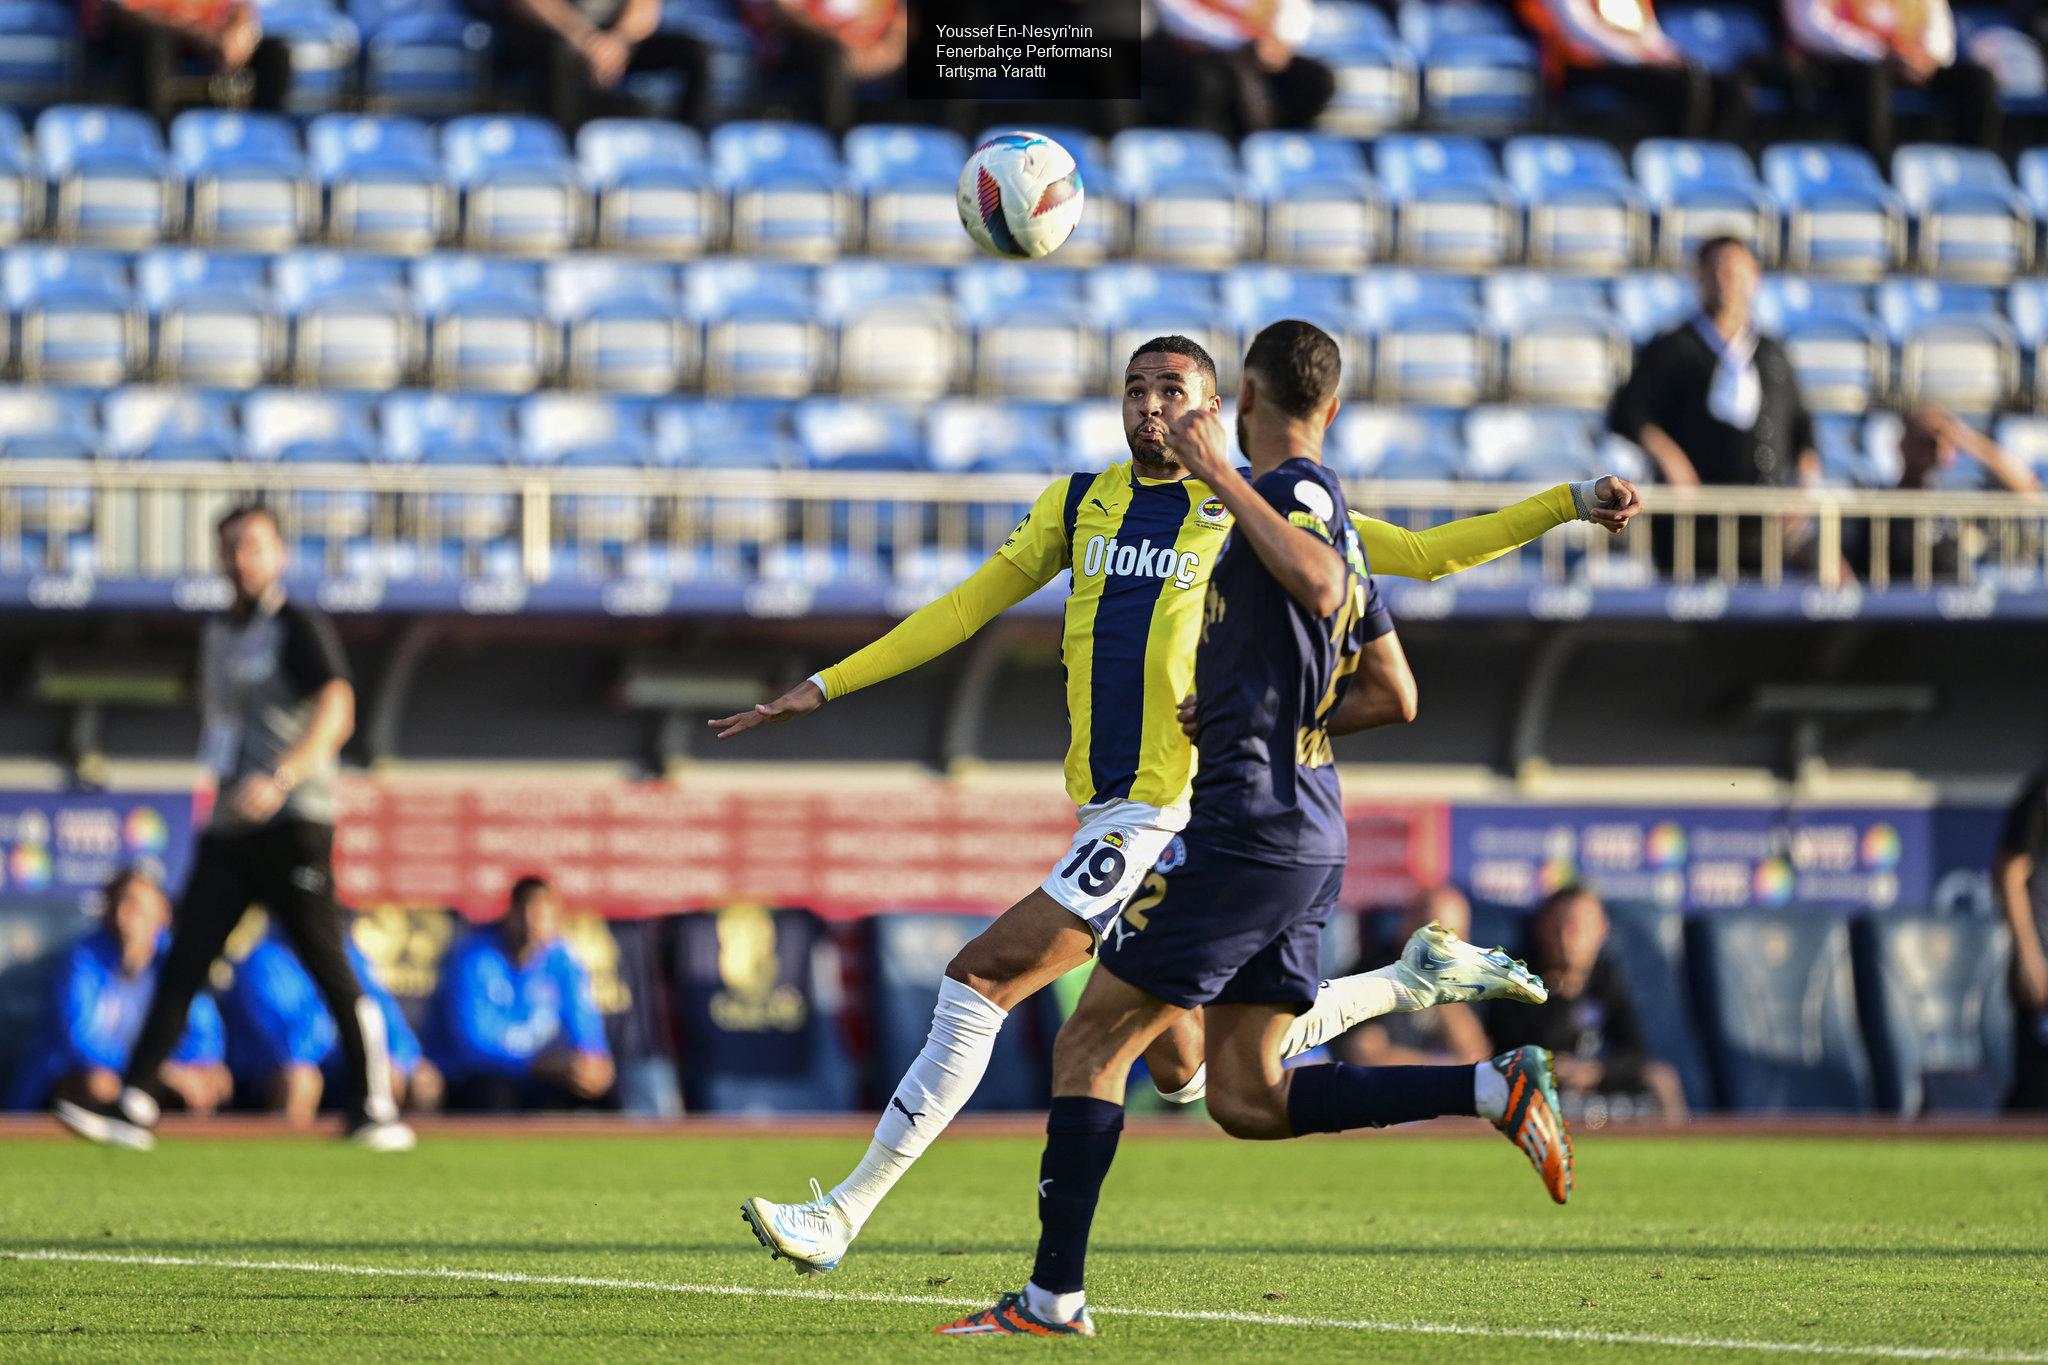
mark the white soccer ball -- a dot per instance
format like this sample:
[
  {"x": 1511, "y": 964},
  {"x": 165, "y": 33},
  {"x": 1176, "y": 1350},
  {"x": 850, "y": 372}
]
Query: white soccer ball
[{"x": 1020, "y": 196}]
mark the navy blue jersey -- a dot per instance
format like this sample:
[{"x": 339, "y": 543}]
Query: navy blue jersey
[{"x": 1267, "y": 675}]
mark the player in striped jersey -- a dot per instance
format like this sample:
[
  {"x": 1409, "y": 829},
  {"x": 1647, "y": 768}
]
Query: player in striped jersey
[{"x": 1140, "y": 539}]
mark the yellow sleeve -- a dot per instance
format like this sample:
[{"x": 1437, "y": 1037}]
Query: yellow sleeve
[
  {"x": 1039, "y": 544},
  {"x": 933, "y": 628},
  {"x": 1465, "y": 543}
]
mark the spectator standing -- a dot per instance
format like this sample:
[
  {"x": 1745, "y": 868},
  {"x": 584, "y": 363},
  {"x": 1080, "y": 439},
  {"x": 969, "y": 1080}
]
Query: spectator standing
[
  {"x": 1620, "y": 48},
  {"x": 820, "y": 52},
  {"x": 2020, "y": 881},
  {"x": 515, "y": 1024},
  {"x": 1434, "y": 1037},
  {"x": 583, "y": 51},
  {"x": 1855, "y": 53},
  {"x": 102, "y": 989},
  {"x": 1233, "y": 66},
  {"x": 1589, "y": 1023},
  {"x": 146, "y": 41}
]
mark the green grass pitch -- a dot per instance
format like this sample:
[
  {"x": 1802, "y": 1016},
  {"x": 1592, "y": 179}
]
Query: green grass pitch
[{"x": 1728, "y": 1248}]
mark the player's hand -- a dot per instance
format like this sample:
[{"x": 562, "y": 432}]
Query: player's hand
[
  {"x": 800, "y": 700},
  {"x": 1187, "y": 715},
  {"x": 257, "y": 799},
  {"x": 1616, "y": 503},
  {"x": 607, "y": 55},
  {"x": 1201, "y": 445}
]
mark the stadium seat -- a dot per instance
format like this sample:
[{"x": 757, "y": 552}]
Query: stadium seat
[
  {"x": 1368, "y": 441},
  {"x": 906, "y": 176},
  {"x": 1187, "y": 197},
  {"x": 1104, "y": 229},
  {"x": 161, "y": 425},
  {"x": 1648, "y": 943},
  {"x": 1255, "y": 295},
  {"x": 1777, "y": 998},
  {"x": 1320, "y": 204},
  {"x": 785, "y": 190},
  {"x": 623, "y": 322},
  {"x": 586, "y": 430},
  {"x": 736, "y": 433},
  {"x": 324, "y": 47},
  {"x": 1701, "y": 190},
  {"x": 1840, "y": 216},
  {"x": 1843, "y": 362},
  {"x": 293, "y": 426},
  {"x": 852, "y": 435},
  {"x": 653, "y": 192},
  {"x": 896, "y": 333},
  {"x": 1936, "y": 1006},
  {"x": 109, "y": 181},
  {"x": 72, "y": 316},
  {"x": 1034, "y": 334},
  {"x": 1378, "y": 85},
  {"x": 2025, "y": 438},
  {"x": 1953, "y": 346},
  {"x": 1429, "y": 343},
  {"x": 1479, "y": 73},
  {"x": 1560, "y": 342},
  {"x": 432, "y": 64},
  {"x": 1450, "y": 207},
  {"x": 352, "y": 323},
  {"x": 761, "y": 333},
  {"x": 519, "y": 188},
  {"x": 1721, "y": 38},
  {"x": 1969, "y": 221},
  {"x": 39, "y": 53},
  {"x": 907, "y": 957},
  {"x": 1516, "y": 444},
  {"x": 382, "y": 181},
  {"x": 976, "y": 436},
  {"x": 2026, "y": 307},
  {"x": 445, "y": 428},
  {"x": 1583, "y": 211},
  {"x": 2032, "y": 173},
  {"x": 21, "y": 185},
  {"x": 44, "y": 424},
  {"x": 215, "y": 324},
  {"x": 1837, "y": 439},
  {"x": 1651, "y": 300},
  {"x": 246, "y": 181},
  {"x": 486, "y": 328},
  {"x": 1137, "y": 302}
]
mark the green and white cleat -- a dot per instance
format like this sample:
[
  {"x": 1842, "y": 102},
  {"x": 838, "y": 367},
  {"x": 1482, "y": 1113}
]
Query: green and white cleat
[
  {"x": 1437, "y": 963},
  {"x": 812, "y": 1236}
]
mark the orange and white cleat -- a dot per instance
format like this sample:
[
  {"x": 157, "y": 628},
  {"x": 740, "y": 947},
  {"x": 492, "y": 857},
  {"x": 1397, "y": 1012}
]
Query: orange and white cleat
[
  {"x": 1533, "y": 1120},
  {"x": 1010, "y": 1318}
]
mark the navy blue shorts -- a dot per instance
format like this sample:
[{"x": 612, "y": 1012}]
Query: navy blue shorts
[{"x": 1211, "y": 928}]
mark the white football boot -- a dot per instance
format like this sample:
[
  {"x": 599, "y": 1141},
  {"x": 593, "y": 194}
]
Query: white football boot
[
  {"x": 1436, "y": 963},
  {"x": 812, "y": 1236}
]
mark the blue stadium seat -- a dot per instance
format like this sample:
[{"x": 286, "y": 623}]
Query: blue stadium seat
[
  {"x": 907, "y": 957},
  {"x": 1937, "y": 1009},
  {"x": 21, "y": 185},
  {"x": 486, "y": 328},
  {"x": 587, "y": 430},
  {"x": 1105, "y": 223},
  {"x": 324, "y": 47},
  {"x": 1479, "y": 73},
  {"x": 245, "y": 179},
  {"x": 896, "y": 332},
  {"x": 1651, "y": 300},
  {"x": 1837, "y": 438},
  {"x": 1721, "y": 38},
  {"x": 1136, "y": 302},
  {"x": 44, "y": 424},
  {"x": 1843, "y": 361},
  {"x": 1561, "y": 343},
  {"x": 1969, "y": 220},
  {"x": 293, "y": 426},
  {"x": 169, "y": 425},
  {"x": 215, "y": 324},
  {"x": 906, "y": 176},
  {"x": 1321, "y": 206},
  {"x": 761, "y": 333},
  {"x": 1953, "y": 346},
  {"x": 109, "y": 180},
  {"x": 1187, "y": 197},
  {"x": 1451, "y": 208},
  {"x": 735, "y": 433},
  {"x": 1517, "y": 444},
  {"x": 1378, "y": 86},
  {"x": 1840, "y": 216},
  {"x": 785, "y": 187},
  {"x": 976, "y": 436},
  {"x": 1701, "y": 190},
  {"x": 352, "y": 322},
  {"x": 1429, "y": 342},
  {"x": 39, "y": 53},
  {"x": 653, "y": 192},
  {"x": 54, "y": 522},
  {"x": 445, "y": 428},
  {"x": 431, "y": 64},
  {"x": 1584, "y": 212},
  {"x": 855, "y": 435},
  {"x": 2025, "y": 438},
  {"x": 1368, "y": 441},
  {"x": 1778, "y": 1001},
  {"x": 382, "y": 179},
  {"x": 73, "y": 317},
  {"x": 2026, "y": 307},
  {"x": 1034, "y": 334},
  {"x": 519, "y": 188},
  {"x": 1256, "y": 295},
  {"x": 623, "y": 322}
]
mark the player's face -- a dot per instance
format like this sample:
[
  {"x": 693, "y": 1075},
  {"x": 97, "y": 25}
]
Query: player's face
[
  {"x": 1158, "y": 389},
  {"x": 543, "y": 918},
  {"x": 252, "y": 555}
]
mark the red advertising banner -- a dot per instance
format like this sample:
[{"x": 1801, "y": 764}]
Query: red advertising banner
[{"x": 645, "y": 848}]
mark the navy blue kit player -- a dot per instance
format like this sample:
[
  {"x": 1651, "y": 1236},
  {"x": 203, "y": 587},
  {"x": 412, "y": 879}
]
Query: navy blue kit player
[{"x": 1231, "y": 917}]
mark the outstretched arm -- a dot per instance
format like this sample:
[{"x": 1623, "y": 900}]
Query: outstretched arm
[{"x": 1471, "y": 541}]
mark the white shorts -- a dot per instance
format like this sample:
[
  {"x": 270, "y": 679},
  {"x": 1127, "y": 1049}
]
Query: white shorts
[{"x": 1117, "y": 845}]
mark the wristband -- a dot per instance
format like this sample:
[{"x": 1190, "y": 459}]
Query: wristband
[
  {"x": 1585, "y": 497},
  {"x": 819, "y": 679}
]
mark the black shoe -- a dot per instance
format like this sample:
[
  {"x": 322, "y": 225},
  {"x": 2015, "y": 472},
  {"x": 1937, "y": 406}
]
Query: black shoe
[
  {"x": 127, "y": 1122},
  {"x": 381, "y": 1135}
]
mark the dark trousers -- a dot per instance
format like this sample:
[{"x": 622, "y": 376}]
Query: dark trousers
[
  {"x": 812, "y": 77},
  {"x": 1676, "y": 101},
  {"x": 510, "y": 1095},
  {"x": 572, "y": 100},
  {"x": 147, "y": 59},
  {"x": 2030, "y": 1059},
  {"x": 1965, "y": 93},
  {"x": 1228, "y": 92},
  {"x": 288, "y": 867}
]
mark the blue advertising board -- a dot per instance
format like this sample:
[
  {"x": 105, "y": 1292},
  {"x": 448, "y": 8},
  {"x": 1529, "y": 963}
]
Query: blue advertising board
[{"x": 56, "y": 845}]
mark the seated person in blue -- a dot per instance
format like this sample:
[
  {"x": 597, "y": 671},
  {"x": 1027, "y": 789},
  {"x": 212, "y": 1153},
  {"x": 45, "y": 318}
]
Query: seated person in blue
[
  {"x": 96, "y": 1005},
  {"x": 282, "y": 1043},
  {"x": 514, "y": 1024}
]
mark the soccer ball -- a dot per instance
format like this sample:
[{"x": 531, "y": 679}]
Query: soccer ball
[{"x": 1020, "y": 196}]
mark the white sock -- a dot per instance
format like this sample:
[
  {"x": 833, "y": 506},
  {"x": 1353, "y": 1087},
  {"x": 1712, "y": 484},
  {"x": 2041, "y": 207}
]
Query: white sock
[
  {"x": 1489, "y": 1091},
  {"x": 939, "y": 1082},
  {"x": 1349, "y": 1001},
  {"x": 1047, "y": 1306},
  {"x": 1196, "y": 1087}
]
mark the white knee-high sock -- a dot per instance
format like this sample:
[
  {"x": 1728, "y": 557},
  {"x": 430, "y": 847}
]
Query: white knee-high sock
[
  {"x": 939, "y": 1082},
  {"x": 1349, "y": 1001}
]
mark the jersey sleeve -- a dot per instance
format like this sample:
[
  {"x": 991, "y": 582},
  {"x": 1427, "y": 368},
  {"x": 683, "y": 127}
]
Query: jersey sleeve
[
  {"x": 481, "y": 1036},
  {"x": 312, "y": 656},
  {"x": 1376, "y": 620},
  {"x": 1462, "y": 544},
  {"x": 1312, "y": 503},
  {"x": 204, "y": 1042},
  {"x": 83, "y": 1035},
  {"x": 934, "y": 628},
  {"x": 1039, "y": 546}
]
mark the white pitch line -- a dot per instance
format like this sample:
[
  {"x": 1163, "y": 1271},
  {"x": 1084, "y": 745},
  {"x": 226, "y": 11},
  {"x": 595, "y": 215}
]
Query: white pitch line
[{"x": 1434, "y": 1329}]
